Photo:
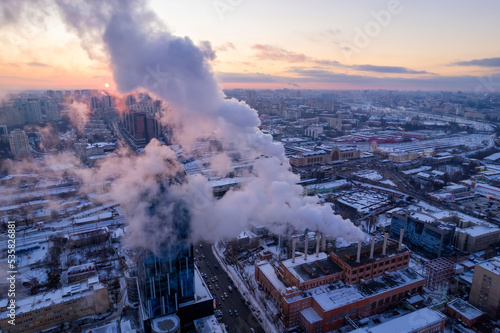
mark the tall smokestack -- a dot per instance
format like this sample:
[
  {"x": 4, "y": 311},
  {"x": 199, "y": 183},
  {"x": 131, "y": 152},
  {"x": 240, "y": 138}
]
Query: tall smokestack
[
  {"x": 294, "y": 241},
  {"x": 306, "y": 245},
  {"x": 401, "y": 233},
  {"x": 323, "y": 242},
  {"x": 318, "y": 236},
  {"x": 372, "y": 249},
  {"x": 385, "y": 243},
  {"x": 359, "y": 252}
]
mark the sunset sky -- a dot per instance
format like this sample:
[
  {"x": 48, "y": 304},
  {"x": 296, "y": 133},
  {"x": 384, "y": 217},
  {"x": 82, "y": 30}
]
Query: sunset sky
[{"x": 406, "y": 45}]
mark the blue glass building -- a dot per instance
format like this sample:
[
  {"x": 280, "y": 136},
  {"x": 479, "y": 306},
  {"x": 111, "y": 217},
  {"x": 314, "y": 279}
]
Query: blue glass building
[
  {"x": 166, "y": 276},
  {"x": 423, "y": 233}
]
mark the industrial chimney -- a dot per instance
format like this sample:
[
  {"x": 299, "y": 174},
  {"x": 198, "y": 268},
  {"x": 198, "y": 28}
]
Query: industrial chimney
[
  {"x": 385, "y": 243},
  {"x": 323, "y": 242},
  {"x": 401, "y": 233},
  {"x": 306, "y": 245},
  {"x": 358, "y": 257},
  {"x": 372, "y": 247},
  {"x": 318, "y": 237},
  {"x": 294, "y": 241}
]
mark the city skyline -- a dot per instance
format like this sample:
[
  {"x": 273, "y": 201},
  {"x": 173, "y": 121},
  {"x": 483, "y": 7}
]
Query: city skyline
[{"x": 400, "y": 45}]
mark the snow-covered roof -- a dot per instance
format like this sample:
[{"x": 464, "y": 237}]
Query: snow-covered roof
[
  {"x": 411, "y": 322},
  {"x": 493, "y": 157},
  {"x": 465, "y": 309},
  {"x": 333, "y": 184},
  {"x": 270, "y": 274},
  {"x": 310, "y": 315},
  {"x": 493, "y": 265},
  {"x": 340, "y": 293},
  {"x": 64, "y": 294},
  {"x": 479, "y": 231}
]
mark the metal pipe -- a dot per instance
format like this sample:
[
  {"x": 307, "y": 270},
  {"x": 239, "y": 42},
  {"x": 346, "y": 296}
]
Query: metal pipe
[
  {"x": 384, "y": 247},
  {"x": 306, "y": 245},
  {"x": 318, "y": 236},
  {"x": 401, "y": 233},
  {"x": 323, "y": 242},
  {"x": 294, "y": 241},
  {"x": 373, "y": 247},
  {"x": 359, "y": 252}
]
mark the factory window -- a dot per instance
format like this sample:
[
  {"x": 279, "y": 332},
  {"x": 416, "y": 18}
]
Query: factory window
[
  {"x": 381, "y": 302},
  {"x": 393, "y": 260},
  {"x": 374, "y": 305},
  {"x": 361, "y": 270},
  {"x": 393, "y": 299},
  {"x": 367, "y": 307},
  {"x": 387, "y": 300}
]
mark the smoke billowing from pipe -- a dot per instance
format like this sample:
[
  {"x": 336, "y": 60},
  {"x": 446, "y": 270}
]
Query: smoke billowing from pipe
[{"x": 144, "y": 55}]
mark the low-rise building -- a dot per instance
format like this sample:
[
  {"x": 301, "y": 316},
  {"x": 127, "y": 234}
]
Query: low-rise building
[
  {"x": 464, "y": 312},
  {"x": 318, "y": 292},
  {"x": 51, "y": 309},
  {"x": 421, "y": 321},
  {"x": 403, "y": 156},
  {"x": 88, "y": 237},
  {"x": 81, "y": 272},
  {"x": 306, "y": 158},
  {"x": 476, "y": 238},
  {"x": 309, "y": 158}
]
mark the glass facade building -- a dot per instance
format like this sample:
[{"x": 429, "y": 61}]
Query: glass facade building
[
  {"x": 166, "y": 276},
  {"x": 423, "y": 233}
]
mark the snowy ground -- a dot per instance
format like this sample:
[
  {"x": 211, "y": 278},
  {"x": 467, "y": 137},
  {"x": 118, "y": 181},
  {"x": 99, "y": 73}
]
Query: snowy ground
[
  {"x": 388, "y": 182},
  {"x": 369, "y": 174}
]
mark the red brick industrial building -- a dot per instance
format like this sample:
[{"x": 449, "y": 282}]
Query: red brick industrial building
[{"x": 318, "y": 292}]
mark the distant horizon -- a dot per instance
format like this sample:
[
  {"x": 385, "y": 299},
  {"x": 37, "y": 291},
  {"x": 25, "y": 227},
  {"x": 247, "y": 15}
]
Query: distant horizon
[
  {"x": 331, "y": 45},
  {"x": 42, "y": 90}
]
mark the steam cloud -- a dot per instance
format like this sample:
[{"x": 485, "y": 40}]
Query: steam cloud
[
  {"x": 79, "y": 115},
  {"x": 143, "y": 54}
]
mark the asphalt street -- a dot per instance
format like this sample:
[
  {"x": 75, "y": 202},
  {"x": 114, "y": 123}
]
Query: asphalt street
[{"x": 245, "y": 320}]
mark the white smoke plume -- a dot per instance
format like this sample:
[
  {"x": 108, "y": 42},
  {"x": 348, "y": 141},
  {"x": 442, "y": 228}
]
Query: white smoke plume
[
  {"x": 144, "y": 55},
  {"x": 79, "y": 114}
]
